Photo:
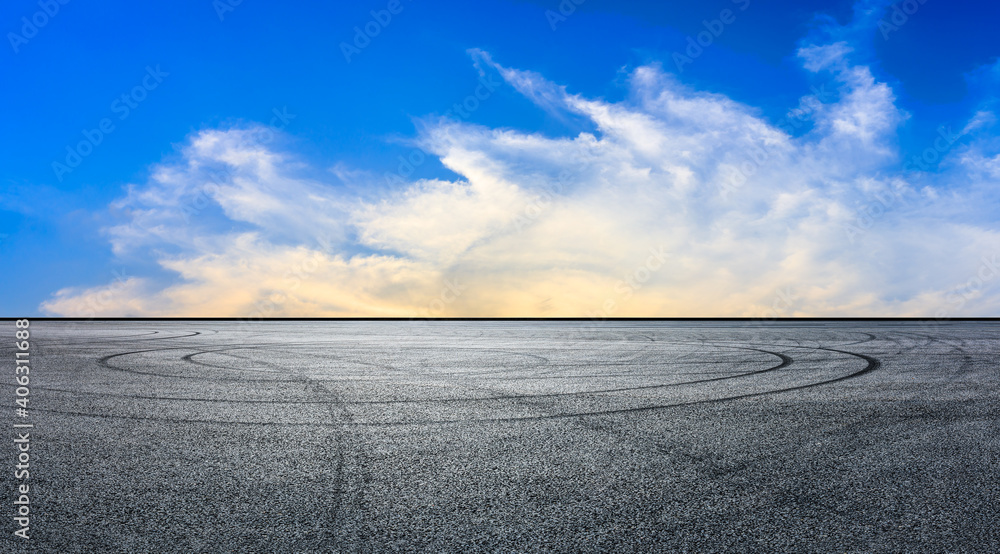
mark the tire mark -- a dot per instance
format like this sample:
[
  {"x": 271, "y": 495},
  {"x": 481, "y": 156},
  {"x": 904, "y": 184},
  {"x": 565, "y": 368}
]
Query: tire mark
[{"x": 873, "y": 365}]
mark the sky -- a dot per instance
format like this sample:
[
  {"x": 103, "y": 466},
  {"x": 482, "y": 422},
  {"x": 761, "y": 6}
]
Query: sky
[{"x": 582, "y": 158}]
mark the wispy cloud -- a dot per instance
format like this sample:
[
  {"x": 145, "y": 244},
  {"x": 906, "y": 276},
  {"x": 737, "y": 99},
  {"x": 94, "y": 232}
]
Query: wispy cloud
[{"x": 734, "y": 207}]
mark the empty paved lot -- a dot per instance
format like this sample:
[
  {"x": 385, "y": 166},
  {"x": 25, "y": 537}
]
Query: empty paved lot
[{"x": 511, "y": 436}]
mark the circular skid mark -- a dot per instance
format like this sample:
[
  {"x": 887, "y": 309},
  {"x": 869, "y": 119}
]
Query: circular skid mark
[
  {"x": 280, "y": 368},
  {"x": 104, "y": 362},
  {"x": 45, "y": 341},
  {"x": 785, "y": 362},
  {"x": 872, "y": 364},
  {"x": 189, "y": 358},
  {"x": 200, "y": 350},
  {"x": 132, "y": 339}
]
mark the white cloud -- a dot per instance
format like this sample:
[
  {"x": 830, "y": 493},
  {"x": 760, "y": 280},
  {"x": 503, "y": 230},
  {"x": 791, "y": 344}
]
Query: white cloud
[{"x": 684, "y": 203}]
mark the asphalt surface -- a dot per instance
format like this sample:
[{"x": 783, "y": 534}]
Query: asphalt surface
[{"x": 509, "y": 436}]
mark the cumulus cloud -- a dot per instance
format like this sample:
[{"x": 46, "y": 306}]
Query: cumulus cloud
[{"x": 681, "y": 203}]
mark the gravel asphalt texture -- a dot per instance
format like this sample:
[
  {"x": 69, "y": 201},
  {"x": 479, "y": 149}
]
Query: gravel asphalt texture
[{"x": 509, "y": 436}]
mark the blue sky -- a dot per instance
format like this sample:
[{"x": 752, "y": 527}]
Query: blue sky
[{"x": 275, "y": 130}]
